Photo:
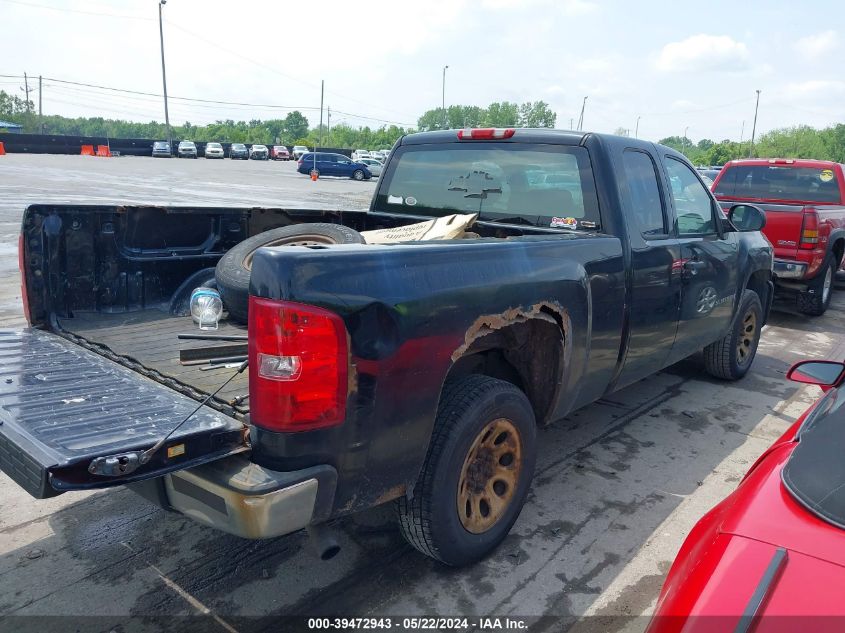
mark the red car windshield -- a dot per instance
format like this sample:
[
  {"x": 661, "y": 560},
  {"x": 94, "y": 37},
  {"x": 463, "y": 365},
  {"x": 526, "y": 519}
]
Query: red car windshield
[{"x": 779, "y": 182}]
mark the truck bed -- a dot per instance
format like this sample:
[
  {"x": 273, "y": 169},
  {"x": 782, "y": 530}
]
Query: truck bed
[{"x": 149, "y": 338}]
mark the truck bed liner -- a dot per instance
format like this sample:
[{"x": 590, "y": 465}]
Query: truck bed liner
[{"x": 149, "y": 337}]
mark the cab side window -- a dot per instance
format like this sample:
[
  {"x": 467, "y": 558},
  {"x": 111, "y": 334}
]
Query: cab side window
[
  {"x": 693, "y": 204},
  {"x": 644, "y": 193}
]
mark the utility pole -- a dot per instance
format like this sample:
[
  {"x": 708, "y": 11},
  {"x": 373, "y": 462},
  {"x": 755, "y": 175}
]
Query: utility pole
[
  {"x": 40, "y": 111},
  {"x": 581, "y": 118},
  {"x": 161, "y": 3},
  {"x": 637, "y": 127},
  {"x": 684, "y": 140},
  {"x": 741, "y": 135},
  {"x": 26, "y": 89},
  {"x": 443, "y": 101},
  {"x": 322, "y": 88},
  {"x": 329, "y": 127},
  {"x": 754, "y": 128}
]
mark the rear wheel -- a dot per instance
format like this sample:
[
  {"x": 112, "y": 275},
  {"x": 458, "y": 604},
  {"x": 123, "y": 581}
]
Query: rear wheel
[
  {"x": 476, "y": 474},
  {"x": 730, "y": 357},
  {"x": 815, "y": 300}
]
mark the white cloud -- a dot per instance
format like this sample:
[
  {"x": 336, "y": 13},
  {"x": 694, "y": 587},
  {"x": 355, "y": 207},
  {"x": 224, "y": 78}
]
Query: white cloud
[
  {"x": 703, "y": 52},
  {"x": 576, "y": 7},
  {"x": 816, "y": 87},
  {"x": 594, "y": 65},
  {"x": 566, "y": 7},
  {"x": 814, "y": 46}
]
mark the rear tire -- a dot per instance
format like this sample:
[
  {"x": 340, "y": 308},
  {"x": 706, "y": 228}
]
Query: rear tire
[
  {"x": 476, "y": 474},
  {"x": 816, "y": 299},
  {"x": 731, "y": 357}
]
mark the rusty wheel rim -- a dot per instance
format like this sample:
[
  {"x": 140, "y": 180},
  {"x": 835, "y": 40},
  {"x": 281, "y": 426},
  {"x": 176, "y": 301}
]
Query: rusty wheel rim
[
  {"x": 745, "y": 344},
  {"x": 302, "y": 240},
  {"x": 489, "y": 476}
]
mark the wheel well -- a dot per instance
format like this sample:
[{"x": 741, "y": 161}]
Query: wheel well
[
  {"x": 838, "y": 250},
  {"x": 527, "y": 352},
  {"x": 759, "y": 283}
]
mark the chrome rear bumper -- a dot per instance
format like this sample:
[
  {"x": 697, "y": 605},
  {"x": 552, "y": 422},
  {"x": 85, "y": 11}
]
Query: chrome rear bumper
[{"x": 239, "y": 497}]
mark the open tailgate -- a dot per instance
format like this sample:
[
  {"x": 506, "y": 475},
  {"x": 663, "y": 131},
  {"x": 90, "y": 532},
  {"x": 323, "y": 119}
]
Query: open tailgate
[{"x": 61, "y": 406}]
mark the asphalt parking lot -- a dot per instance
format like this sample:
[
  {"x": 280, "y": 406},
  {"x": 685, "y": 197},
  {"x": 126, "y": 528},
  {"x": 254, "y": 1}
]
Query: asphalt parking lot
[{"x": 618, "y": 484}]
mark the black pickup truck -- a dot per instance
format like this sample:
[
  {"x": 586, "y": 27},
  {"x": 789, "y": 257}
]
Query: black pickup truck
[{"x": 414, "y": 373}]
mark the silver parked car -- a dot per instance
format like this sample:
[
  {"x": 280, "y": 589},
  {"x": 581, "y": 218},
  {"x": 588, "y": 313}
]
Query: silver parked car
[
  {"x": 259, "y": 152},
  {"x": 373, "y": 165},
  {"x": 213, "y": 150},
  {"x": 186, "y": 149}
]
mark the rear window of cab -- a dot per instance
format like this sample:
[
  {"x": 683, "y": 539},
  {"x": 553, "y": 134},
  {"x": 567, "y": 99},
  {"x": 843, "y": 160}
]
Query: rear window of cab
[
  {"x": 779, "y": 182},
  {"x": 538, "y": 184}
]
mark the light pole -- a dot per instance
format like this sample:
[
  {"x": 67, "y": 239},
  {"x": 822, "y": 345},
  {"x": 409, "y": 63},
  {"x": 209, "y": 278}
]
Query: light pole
[
  {"x": 637, "y": 127},
  {"x": 581, "y": 118},
  {"x": 684, "y": 140},
  {"x": 754, "y": 127},
  {"x": 443, "y": 102},
  {"x": 161, "y": 3}
]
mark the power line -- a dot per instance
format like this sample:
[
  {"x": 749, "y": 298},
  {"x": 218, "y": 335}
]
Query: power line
[
  {"x": 192, "y": 99},
  {"x": 216, "y": 102},
  {"x": 280, "y": 73},
  {"x": 84, "y": 88},
  {"x": 120, "y": 99},
  {"x": 105, "y": 109},
  {"x": 216, "y": 45},
  {"x": 697, "y": 110},
  {"x": 64, "y": 10}
]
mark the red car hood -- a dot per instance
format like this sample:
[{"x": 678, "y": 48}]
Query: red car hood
[{"x": 721, "y": 572}]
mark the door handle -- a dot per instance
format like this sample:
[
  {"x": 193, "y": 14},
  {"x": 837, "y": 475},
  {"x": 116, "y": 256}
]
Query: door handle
[{"x": 694, "y": 265}]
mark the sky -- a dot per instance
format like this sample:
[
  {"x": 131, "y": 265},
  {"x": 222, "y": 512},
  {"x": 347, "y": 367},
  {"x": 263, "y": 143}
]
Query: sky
[{"x": 655, "y": 68}]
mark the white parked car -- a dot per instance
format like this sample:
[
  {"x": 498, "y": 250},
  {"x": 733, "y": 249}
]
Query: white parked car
[
  {"x": 374, "y": 165},
  {"x": 213, "y": 150},
  {"x": 298, "y": 151},
  {"x": 358, "y": 154}
]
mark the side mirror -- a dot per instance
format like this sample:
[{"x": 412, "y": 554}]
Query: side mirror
[
  {"x": 824, "y": 373},
  {"x": 747, "y": 217}
]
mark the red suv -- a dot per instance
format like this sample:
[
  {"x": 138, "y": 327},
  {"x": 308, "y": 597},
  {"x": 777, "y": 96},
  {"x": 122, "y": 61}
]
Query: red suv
[
  {"x": 279, "y": 152},
  {"x": 805, "y": 220}
]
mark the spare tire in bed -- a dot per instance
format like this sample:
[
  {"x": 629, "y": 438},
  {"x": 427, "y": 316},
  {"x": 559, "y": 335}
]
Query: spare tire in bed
[{"x": 234, "y": 267}]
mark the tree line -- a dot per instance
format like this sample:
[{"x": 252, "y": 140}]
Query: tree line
[
  {"x": 801, "y": 141},
  {"x": 498, "y": 114}
]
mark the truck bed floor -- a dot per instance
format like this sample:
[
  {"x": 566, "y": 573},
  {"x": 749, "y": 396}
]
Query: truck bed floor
[{"x": 149, "y": 337}]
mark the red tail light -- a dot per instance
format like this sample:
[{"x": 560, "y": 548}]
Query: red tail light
[
  {"x": 298, "y": 366},
  {"x": 485, "y": 133},
  {"x": 809, "y": 230},
  {"x": 22, "y": 267}
]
